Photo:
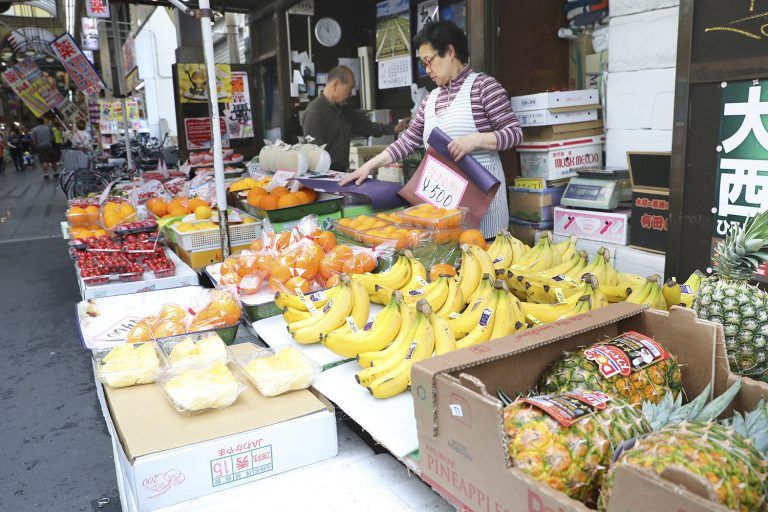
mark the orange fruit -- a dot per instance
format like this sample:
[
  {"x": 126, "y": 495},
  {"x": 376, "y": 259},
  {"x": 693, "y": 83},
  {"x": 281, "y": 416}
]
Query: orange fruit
[
  {"x": 247, "y": 264},
  {"x": 111, "y": 206},
  {"x": 269, "y": 202},
  {"x": 126, "y": 211},
  {"x": 304, "y": 197},
  {"x": 305, "y": 260},
  {"x": 441, "y": 269},
  {"x": 157, "y": 206},
  {"x": 297, "y": 282},
  {"x": 341, "y": 252},
  {"x": 279, "y": 191},
  {"x": 332, "y": 281},
  {"x": 176, "y": 210},
  {"x": 325, "y": 239},
  {"x": 77, "y": 216},
  {"x": 195, "y": 203},
  {"x": 254, "y": 195},
  {"x": 264, "y": 264},
  {"x": 329, "y": 267},
  {"x": 288, "y": 200},
  {"x": 173, "y": 312},
  {"x": 230, "y": 278},
  {"x": 256, "y": 246},
  {"x": 473, "y": 237},
  {"x": 280, "y": 269},
  {"x": 359, "y": 263},
  {"x": 111, "y": 219},
  {"x": 309, "y": 193},
  {"x": 251, "y": 284}
]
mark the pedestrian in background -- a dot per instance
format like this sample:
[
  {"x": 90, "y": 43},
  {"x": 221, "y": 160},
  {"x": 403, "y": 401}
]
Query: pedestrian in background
[
  {"x": 42, "y": 142},
  {"x": 16, "y": 146}
]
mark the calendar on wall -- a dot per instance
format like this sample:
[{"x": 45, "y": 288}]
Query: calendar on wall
[{"x": 395, "y": 72}]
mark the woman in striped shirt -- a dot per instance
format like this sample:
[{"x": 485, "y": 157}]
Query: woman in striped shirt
[{"x": 471, "y": 108}]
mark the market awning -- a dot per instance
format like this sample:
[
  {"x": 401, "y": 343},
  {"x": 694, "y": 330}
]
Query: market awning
[{"x": 243, "y": 6}]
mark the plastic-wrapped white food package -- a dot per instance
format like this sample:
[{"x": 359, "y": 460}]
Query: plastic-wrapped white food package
[
  {"x": 274, "y": 372},
  {"x": 201, "y": 388},
  {"x": 127, "y": 364},
  {"x": 194, "y": 349}
]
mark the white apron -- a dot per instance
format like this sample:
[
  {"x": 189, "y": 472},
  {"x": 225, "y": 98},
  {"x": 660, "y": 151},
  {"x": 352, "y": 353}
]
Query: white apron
[{"x": 457, "y": 120}]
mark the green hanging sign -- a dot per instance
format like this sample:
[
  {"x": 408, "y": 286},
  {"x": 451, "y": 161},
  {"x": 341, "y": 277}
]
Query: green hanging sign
[{"x": 742, "y": 163}]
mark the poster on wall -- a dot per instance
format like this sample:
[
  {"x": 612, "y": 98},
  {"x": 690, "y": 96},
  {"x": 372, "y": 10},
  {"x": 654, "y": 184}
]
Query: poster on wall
[
  {"x": 193, "y": 83},
  {"x": 70, "y": 113},
  {"x": 198, "y": 131},
  {"x": 742, "y": 164},
  {"x": 33, "y": 87},
  {"x": 393, "y": 44},
  {"x": 77, "y": 65},
  {"x": 237, "y": 113}
]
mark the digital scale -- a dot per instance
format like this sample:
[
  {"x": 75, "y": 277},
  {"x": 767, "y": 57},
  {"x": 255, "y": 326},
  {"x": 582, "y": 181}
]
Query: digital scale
[{"x": 598, "y": 188}]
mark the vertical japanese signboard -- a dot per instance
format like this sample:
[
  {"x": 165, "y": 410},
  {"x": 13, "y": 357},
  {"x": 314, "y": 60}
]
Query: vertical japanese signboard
[
  {"x": 33, "y": 87},
  {"x": 77, "y": 65},
  {"x": 742, "y": 164},
  {"x": 97, "y": 8}
]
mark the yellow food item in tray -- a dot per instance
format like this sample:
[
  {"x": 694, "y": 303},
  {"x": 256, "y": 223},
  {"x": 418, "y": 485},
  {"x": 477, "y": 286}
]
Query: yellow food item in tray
[
  {"x": 286, "y": 370},
  {"x": 200, "y": 388},
  {"x": 127, "y": 365},
  {"x": 207, "y": 349}
]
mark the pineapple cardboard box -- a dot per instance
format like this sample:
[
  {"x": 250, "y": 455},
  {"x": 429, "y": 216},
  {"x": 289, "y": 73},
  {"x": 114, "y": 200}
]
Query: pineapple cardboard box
[{"x": 484, "y": 453}]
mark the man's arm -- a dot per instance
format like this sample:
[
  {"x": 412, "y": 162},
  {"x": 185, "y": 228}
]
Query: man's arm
[{"x": 316, "y": 126}]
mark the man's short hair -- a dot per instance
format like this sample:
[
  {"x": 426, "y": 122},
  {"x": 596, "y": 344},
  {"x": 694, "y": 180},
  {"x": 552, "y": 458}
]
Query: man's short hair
[{"x": 341, "y": 73}]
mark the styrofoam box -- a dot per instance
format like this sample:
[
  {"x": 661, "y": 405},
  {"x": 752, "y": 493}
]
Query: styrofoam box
[
  {"x": 603, "y": 226},
  {"x": 623, "y": 257},
  {"x": 641, "y": 100},
  {"x": 621, "y": 141},
  {"x": 558, "y": 99},
  {"x": 174, "y": 476},
  {"x": 549, "y": 118},
  {"x": 560, "y": 159},
  {"x": 646, "y": 40},
  {"x": 184, "y": 276}
]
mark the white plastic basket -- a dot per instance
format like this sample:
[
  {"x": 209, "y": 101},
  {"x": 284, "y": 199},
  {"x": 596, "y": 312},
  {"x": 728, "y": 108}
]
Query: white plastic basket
[{"x": 209, "y": 238}]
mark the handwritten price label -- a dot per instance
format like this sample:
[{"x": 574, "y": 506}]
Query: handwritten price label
[{"x": 440, "y": 185}]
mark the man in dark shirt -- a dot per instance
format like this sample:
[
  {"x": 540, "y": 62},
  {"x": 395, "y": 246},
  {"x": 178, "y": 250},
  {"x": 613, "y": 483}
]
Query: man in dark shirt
[{"x": 329, "y": 121}]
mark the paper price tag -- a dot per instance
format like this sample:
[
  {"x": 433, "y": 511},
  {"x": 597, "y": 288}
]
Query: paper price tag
[
  {"x": 456, "y": 410},
  {"x": 439, "y": 185},
  {"x": 352, "y": 325},
  {"x": 280, "y": 179},
  {"x": 421, "y": 281},
  {"x": 560, "y": 296},
  {"x": 307, "y": 303}
]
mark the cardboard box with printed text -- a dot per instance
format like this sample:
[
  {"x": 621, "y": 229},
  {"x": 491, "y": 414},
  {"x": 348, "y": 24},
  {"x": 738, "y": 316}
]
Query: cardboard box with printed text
[{"x": 459, "y": 418}]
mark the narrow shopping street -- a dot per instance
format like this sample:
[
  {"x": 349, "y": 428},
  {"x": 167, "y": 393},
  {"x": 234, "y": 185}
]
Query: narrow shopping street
[{"x": 56, "y": 452}]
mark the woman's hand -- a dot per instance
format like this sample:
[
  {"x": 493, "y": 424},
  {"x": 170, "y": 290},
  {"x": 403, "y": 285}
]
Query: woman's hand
[
  {"x": 358, "y": 176},
  {"x": 464, "y": 145}
]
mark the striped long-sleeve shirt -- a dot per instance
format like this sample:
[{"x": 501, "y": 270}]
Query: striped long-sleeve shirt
[{"x": 491, "y": 110}]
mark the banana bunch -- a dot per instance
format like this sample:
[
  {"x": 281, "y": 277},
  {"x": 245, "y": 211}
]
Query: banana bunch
[
  {"x": 351, "y": 340},
  {"x": 506, "y": 250},
  {"x": 547, "y": 312},
  {"x": 351, "y": 304},
  {"x": 650, "y": 294},
  {"x": 500, "y": 316},
  {"x": 567, "y": 248},
  {"x": 544, "y": 255},
  {"x": 475, "y": 263},
  {"x": 671, "y": 292},
  {"x": 304, "y": 303},
  {"x": 690, "y": 287},
  {"x": 398, "y": 276},
  {"x": 539, "y": 287},
  {"x": 392, "y": 375},
  {"x": 443, "y": 295},
  {"x": 539, "y": 314}
]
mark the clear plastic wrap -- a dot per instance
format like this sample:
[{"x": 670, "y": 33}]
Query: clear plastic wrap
[
  {"x": 194, "y": 349},
  {"x": 432, "y": 217},
  {"x": 126, "y": 365},
  {"x": 200, "y": 388},
  {"x": 277, "y": 371},
  {"x": 219, "y": 308}
]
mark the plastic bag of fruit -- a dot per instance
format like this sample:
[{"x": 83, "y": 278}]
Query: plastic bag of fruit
[
  {"x": 248, "y": 270},
  {"x": 172, "y": 319},
  {"x": 218, "y": 308},
  {"x": 115, "y": 212}
]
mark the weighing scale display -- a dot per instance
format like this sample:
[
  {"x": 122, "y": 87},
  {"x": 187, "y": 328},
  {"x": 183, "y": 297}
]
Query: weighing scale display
[{"x": 584, "y": 192}]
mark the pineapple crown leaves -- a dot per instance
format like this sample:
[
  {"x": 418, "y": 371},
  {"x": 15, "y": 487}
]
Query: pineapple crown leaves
[
  {"x": 744, "y": 249},
  {"x": 671, "y": 411},
  {"x": 753, "y": 425}
]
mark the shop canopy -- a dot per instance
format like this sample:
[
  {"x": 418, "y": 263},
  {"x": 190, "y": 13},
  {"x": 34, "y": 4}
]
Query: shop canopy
[{"x": 243, "y": 6}]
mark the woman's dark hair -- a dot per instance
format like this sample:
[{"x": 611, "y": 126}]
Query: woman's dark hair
[
  {"x": 440, "y": 34},
  {"x": 80, "y": 124}
]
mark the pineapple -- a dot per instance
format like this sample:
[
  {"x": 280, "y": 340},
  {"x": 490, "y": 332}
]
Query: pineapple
[
  {"x": 573, "y": 456},
  {"x": 649, "y": 383},
  {"x": 730, "y": 456},
  {"x": 728, "y": 298}
]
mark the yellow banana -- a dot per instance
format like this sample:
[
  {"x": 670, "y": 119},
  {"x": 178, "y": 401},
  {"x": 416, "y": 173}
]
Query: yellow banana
[
  {"x": 690, "y": 287},
  {"x": 519, "y": 249},
  {"x": 454, "y": 302},
  {"x": 544, "y": 313},
  {"x": 544, "y": 256},
  {"x": 671, "y": 292},
  {"x": 394, "y": 278},
  {"x": 361, "y": 305},
  {"x": 435, "y": 293},
  {"x": 463, "y": 323},
  {"x": 469, "y": 274},
  {"x": 481, "y": 332},
  {"x": 317, "y": 299},
  {"x": 291, "y": 315},
  {"x": 616, "y": 293},
  {"x": 641, "y": 296},
  {"x": 655, "y": 298},
  {"x": 347, "y": 342},
  {"x": 418, "y": 275},
  {"x": 421, "y": 347},
  {"x": 500, "y": 252},
  {"x": 378, "y": 357},
  {"x": 634, "y": 281},
  {"x": 505, "y": 315},
  {"x": 333, "y": 316},
  {"x": 445, "y": 341}
]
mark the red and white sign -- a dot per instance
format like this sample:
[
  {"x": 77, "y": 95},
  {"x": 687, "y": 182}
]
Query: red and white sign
[
  {"x": 440, "y": 185},
  {"x": 611, "y": 227},
  {"x": 199, "y": 132},
  {"x": 97, "y": 8},
  {"x": 77, "y": 65}
]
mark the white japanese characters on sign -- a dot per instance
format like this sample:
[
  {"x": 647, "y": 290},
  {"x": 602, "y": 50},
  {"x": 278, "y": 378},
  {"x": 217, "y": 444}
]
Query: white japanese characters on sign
[{"x": 426, "y": 12}]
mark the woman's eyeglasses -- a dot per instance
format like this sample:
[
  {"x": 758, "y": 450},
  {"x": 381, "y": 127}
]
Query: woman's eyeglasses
[{"x": 427, "y": 61}]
